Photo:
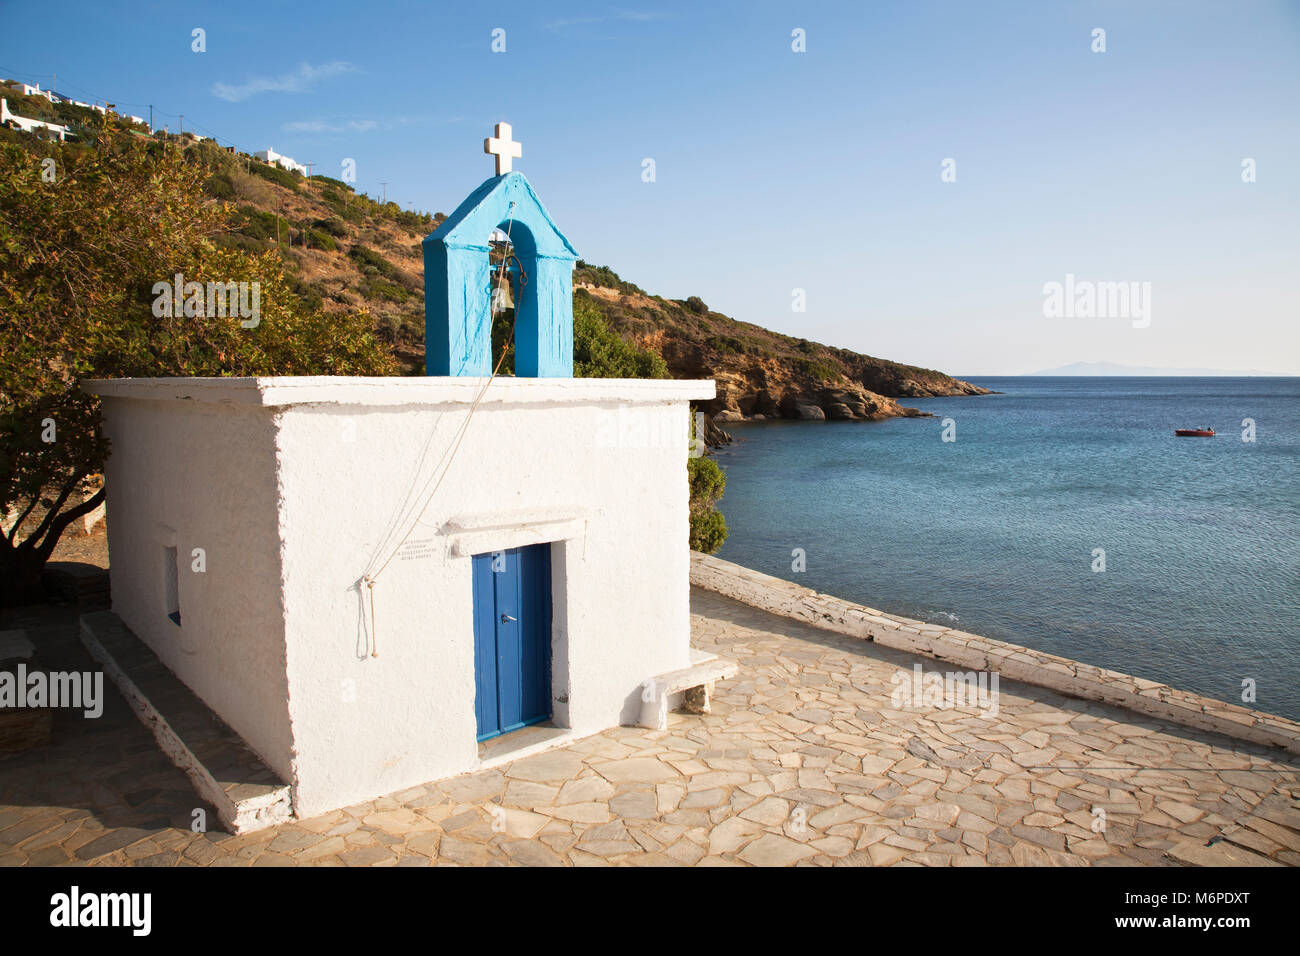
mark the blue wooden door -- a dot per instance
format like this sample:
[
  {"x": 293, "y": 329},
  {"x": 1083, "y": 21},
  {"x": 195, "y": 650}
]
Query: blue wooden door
[{"x": 512, "y": 638}]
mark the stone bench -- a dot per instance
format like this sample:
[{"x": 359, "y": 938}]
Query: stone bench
[{"x": 694, "y": 683}]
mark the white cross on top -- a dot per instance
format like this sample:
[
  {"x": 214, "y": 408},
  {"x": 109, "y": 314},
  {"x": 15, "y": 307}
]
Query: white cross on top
[{"x": 503, "y": 147}]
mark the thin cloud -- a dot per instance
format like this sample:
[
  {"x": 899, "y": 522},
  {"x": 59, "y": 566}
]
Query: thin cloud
[
  {"x": 637, "y": 16},
  {"x": 322, "y": 126},
  {"x": 300, "y": 81},
  {"x": 367, "y": 125}
]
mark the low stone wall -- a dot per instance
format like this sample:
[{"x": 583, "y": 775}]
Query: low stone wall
[{"x": 1010, "y": 661}]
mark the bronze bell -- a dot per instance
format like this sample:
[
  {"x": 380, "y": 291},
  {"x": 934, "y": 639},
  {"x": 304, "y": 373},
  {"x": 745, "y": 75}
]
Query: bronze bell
[{"x": 503, "y": 297}]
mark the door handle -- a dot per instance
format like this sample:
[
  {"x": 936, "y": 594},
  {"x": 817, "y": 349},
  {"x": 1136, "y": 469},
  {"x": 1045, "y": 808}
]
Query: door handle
[{"x": 506, "y": 619}]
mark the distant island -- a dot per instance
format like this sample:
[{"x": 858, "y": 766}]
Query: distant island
[{"x": 1114, "y": 368}]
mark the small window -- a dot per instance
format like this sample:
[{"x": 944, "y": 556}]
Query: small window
[{"x": 171, "y": 591}]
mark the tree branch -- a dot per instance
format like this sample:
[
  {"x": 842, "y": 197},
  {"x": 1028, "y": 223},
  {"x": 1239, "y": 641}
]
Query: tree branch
[
  {"x": 65, "y": 519},
  {"x": 13, "y": 532},
  {"x": 50, "y": 515}
]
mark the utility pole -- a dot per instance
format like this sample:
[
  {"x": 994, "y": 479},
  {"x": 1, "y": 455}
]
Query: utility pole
[
  {"x": 309, "y": 164},
  {"x": 385, "y": 185},
  {"x": 150, "y": 119},
  {"x": 181, "y": 134}
]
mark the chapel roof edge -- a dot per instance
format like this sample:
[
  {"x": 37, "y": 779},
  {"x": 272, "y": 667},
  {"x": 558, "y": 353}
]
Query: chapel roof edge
[{"x": 490, "y": 201}]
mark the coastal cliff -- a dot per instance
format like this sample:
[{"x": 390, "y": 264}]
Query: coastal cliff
[{"x": 760, "y": 374}]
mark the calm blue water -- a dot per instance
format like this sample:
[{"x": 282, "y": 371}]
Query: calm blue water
[{"x": 994, "y": 533}]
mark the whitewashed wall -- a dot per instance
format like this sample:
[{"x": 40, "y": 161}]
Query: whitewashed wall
[
  {"x": 311, "y": 473},
  {"x": 191, "y": 475}
]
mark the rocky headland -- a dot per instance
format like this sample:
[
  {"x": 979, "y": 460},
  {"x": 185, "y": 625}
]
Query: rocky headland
[{"x": 761, "y": 374}]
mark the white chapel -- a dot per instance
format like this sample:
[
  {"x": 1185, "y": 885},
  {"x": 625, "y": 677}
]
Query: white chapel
[{"x": 376, "y": 582}]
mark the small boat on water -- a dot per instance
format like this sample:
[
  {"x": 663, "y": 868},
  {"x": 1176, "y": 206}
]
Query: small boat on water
[{"x": 1205, "y": 431}]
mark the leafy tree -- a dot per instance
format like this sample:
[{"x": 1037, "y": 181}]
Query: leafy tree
[{"x": 79, "y": 258}]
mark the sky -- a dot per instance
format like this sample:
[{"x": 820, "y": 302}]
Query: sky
[{"x": 916, "y": 176}]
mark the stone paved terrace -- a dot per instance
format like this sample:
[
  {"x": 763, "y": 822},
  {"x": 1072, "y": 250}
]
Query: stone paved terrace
[{"x": 803, "y": 761}]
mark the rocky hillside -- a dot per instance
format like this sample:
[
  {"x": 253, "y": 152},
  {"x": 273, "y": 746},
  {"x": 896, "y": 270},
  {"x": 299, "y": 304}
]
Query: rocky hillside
[
  {"x": 760, "y": 373},
  {"x": 347, "y": 252}
]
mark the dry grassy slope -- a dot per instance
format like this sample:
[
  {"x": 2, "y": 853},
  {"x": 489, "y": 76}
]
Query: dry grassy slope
[
  {"x": 343, "y": 283},
  {"x": 759, "y": 372}
]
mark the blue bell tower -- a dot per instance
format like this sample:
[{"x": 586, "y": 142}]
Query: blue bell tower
[{"x": 457, "y": 278}]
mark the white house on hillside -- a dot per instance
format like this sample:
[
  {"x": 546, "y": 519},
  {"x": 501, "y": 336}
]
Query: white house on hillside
[
  {"x": 29, "y": 125},
  {"x": 36, "y": 91},
  {"x": 284, "y": 162}
]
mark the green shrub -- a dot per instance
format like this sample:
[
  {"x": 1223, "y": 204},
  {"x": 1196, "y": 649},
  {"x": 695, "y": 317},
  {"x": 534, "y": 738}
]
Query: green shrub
[
  {"x": 367, "y": 259},
  {"x": 244, "y": 243},
  {"x": 414, "y": 221},
  {"x": 707, "y": 484},
  {"x": 257, "y": 224},
  {"x": 708, "y": 529},
  {"x": 309, "y": 294},
  {"x": 373, "y": 288},
  {"x": 350, "y": 208},
  {"x": 334, "y": 226},
  {"x": 822, "y": 371},
  {"x": 281, "y": 177},
  {"x": 327, "y": 181},
  {"x": 319, "y": 240},
  {"x": 600, "y": 352},
  {"x": 602, "y": 276},
  {"x": 727, "y": 344},
  {"x": 220, "y": 186}
]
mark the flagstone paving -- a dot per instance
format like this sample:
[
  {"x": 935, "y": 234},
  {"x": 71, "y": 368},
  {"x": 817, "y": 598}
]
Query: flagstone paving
[{"x": 803, "y": 761}]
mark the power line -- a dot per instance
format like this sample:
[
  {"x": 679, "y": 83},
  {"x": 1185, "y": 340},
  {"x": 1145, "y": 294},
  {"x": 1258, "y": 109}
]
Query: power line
[
  {"x": 220, "y": 140},
  {"x": 69, "y": 86},
  {"x": 161, "y": 113}
]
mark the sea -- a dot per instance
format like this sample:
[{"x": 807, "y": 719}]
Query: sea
[{"x": 1062, "y": 514}]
